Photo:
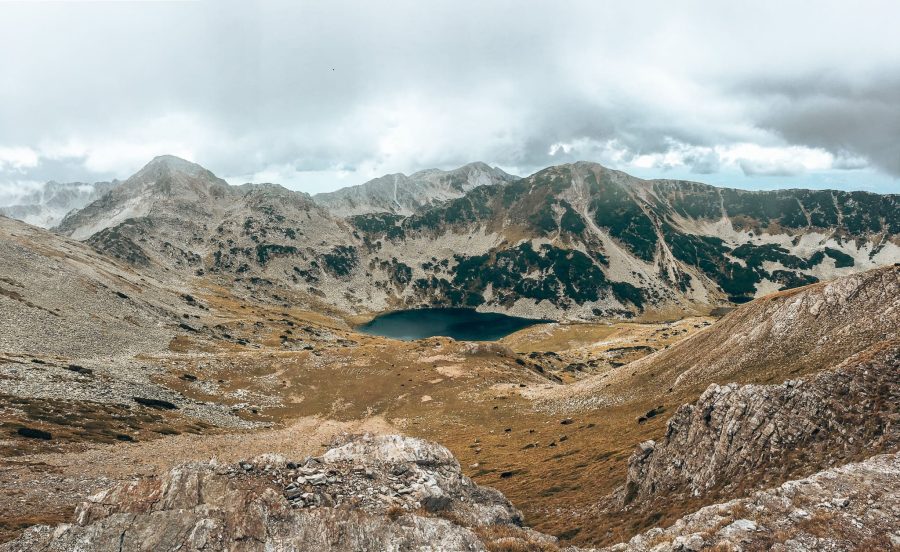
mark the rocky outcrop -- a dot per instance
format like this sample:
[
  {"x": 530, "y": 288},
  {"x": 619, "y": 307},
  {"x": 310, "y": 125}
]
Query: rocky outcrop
[
  {"x": 369, "y": 493},
  {"x": 853, "y": 507},
  {"x": 743, "y": 436}
]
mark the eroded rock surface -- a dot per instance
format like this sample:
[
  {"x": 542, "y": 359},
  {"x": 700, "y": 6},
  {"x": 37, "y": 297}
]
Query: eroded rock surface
[
  {"x": 370, "y": 493},
  {"x": 853, "y": 507},
  {"x": 744, "y": 436}
]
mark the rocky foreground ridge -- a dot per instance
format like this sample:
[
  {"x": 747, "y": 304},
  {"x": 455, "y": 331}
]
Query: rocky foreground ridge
[
  {"x": 369, "y": 493},
  {"x": 398, "y": 493},
  {"x": 852, "y": 507}
]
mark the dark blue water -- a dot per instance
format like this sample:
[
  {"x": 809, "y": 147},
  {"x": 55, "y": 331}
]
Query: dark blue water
[{"x": 460, "y": 324}]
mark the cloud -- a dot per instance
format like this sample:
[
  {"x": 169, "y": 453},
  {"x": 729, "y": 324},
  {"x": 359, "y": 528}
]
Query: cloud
[
  {"x": 854, "y": 117},
  {"x": 317, "y": 95},
  {"x": 17, "y": 158}
]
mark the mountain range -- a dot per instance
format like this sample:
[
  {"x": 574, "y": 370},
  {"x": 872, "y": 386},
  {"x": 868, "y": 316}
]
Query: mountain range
[{"x": 576, "y": 242}]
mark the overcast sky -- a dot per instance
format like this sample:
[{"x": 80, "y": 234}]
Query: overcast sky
[{"x": 318, "y": 95}]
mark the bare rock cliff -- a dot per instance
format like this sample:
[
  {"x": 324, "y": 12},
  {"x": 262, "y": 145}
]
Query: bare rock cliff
[{"x": 738, "y": 437}]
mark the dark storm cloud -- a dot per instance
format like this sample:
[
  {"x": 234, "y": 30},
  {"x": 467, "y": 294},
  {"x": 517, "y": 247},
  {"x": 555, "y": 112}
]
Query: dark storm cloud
[
  {"x": 322, "y": 94},
  {"x": 860, "y": 119}
]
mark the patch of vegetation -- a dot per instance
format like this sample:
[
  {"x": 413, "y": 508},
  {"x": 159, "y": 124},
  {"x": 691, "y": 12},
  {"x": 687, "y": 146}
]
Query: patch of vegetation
[
  {"x": 400, "y": 274},
  {"x": 310, "y": 276},
  {"x": 570, "y": 220},
  {"x": 617, "y": 211},
  {"x": 264, "y": 252},
  {"x": 381, "y": 225},
  {"x": 544, "y": 219},
  {"x": 470, "y": 208},
  {"x": 756, "y": 255},
  {"x": 341, "y": 260},
  {"x": 841, "y": 259},
  {"x": 709, "y": 254},
  {"x": 33, "y": 433},
  {"x": 116, "y": 242},
  {"x": 155, "y": 403},
  {"x": 561, "y": 276},
  {"x": 790, "y": 280},
  {"x": 851, "y": 213}
]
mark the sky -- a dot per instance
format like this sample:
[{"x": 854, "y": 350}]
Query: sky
[{"x": 317, "y": 95}]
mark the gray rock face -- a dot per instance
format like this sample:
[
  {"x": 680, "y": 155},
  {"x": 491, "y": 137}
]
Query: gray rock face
[
  {"x": 371, "y": 493},
  {"x": 739, "y": 436},
  {"x": 809, "y": 514}
]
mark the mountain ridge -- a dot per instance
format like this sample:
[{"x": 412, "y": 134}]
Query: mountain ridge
[{"x": 575, "y": 241}]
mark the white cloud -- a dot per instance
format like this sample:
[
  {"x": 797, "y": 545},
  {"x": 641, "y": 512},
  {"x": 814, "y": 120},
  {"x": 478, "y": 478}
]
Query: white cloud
[
  {"x": 17, "y": 158},
  {"x": 752, "y": 159}
]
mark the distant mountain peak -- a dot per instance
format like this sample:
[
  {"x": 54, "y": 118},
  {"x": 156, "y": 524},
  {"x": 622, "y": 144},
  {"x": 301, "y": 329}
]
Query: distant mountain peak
[
  {"x": 166, "y": 184},
  {"x": 169, "y": 165},
  {"x": 47, "y": 206},
  {"x": 401, "y": 194},
  {"x": 173, "y": 162}
]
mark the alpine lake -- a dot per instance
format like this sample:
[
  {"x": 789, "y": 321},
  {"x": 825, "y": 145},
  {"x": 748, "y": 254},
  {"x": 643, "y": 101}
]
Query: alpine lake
[{"x": 460, "y": 324}]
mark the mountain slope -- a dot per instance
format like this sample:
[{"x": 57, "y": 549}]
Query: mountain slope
[
  {"x": 42, "y": 274},
  {"x": 582, "y": 241},
  {"x": 175, "y": 215},
  {"x": 780, "y": 336},
  {"x": 167, "y": 186},
  {"x": 404, "y": 195},
  {"x": 794, "y": 392},
  {"x": 49, "y": 205}
]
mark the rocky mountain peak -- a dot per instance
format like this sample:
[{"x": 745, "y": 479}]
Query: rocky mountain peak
[
  {"x": 401, "y": 194},
  {"x": 173, "y": 162},
  {"x": 167, "y": 169},
  {"x": 166, "y": 185}
]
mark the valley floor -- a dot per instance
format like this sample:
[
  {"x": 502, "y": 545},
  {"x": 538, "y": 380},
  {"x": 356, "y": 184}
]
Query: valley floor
[{"x": 300, "y": 378}]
